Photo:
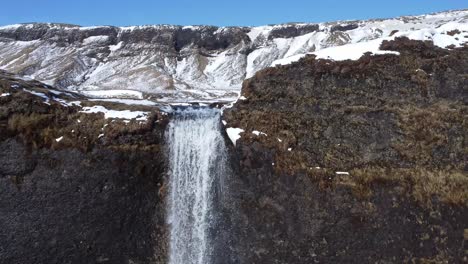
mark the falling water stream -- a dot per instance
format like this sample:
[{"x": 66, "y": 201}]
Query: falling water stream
[{"x": 197, "y": 161}]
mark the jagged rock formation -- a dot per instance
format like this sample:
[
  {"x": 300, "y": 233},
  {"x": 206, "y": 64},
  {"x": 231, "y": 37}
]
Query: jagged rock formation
[
  {"x": 195, "y": 62},
  {"x": 356, "y": 161}
]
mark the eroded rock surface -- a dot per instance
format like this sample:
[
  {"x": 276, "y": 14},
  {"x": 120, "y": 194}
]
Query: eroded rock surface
[
  {"x": 75, "y": 187},
  {"x": 357, "y": 161}
]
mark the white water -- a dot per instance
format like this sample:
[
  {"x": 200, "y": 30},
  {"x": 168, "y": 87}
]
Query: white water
[{"x": 197, "y": 158}]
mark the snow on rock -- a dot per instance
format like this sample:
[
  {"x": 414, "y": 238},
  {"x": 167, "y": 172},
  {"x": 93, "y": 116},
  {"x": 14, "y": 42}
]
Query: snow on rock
[
  {"x": 116, "y": 47},
  {"x": 4, "y": 94},
  {"x": 353, "y": 51},
  {"x": 59, "y": 139},
  {"x": 234, "y": 134},
  {"x": 217, "y": 74},
  {"x": 95, "y": 40},
  {"x": 129, "y": 94},
  {"x": 10, "y": 27},
  {"x": 48, "y": 99},
  {"x": 126, "y": 101},
  {"x": 288, "y": 60},
  {"x": 67, "y": 103},
  {"x": 42, "y": 95},
  {"x": 258, "y": 133},
  {"x": 124, "y": 114},
  {"x": 342, "y": 173},
  {"x": 369, "y": 36}
]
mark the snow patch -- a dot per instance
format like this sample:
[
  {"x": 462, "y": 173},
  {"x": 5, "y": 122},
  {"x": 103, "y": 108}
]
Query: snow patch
[
  {"x": 42, "y": 95},
  {"x": 95, "y": 40},
  {"x": 126, "y": 101},
  {"x": 234, "y": 134},
  {"x": 128, "y": 94},
  {"x": 342, "y": 173},
  {"x": 67, "y": 103},
  {"x": 258, "y": 133},
  {"x": 116, "y": 47},
  {"x": 288, "y": 60},
  {"x": 353, "y": 51},
  {"x": 124, "y": 114},
  {"x": 11, "y": 27}
]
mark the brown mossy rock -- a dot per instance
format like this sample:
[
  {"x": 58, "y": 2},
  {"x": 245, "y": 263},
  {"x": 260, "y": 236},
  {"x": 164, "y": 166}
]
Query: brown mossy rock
[
  {"x": 96, "y": 196},
  {"x": 395, "y": 123}
]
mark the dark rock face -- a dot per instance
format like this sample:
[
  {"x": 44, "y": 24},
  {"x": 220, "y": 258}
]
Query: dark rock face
[
  {"x": 394, "y": 124},
  {"x": 292, "y": 30},
  {"x": 289, "y": 218},
  {"x": 209, "y": 38},
  {"x": 346, "y": 27},
  {"x": 58, "y": 33},
  {"x": 85, "y": 199},
  {"x": 366, "y": 108},
  {"x": 72, "y": 207},
  {"x": 175, "y": 37}
]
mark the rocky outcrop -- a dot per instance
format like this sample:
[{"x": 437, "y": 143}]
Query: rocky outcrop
[
  {"x": 360, "y": 161},
  {"x": 75, "y": 187},
  {"x": 292, "y": 30},
  {"x": 174, "y": 37}
]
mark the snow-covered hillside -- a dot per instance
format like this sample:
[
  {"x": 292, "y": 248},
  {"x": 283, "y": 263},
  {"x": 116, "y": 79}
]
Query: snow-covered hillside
[{"x": 198, "y": 63}]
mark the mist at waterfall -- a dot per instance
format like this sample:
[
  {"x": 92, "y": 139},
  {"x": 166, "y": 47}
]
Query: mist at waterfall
[{"x": 197, "y": 162}]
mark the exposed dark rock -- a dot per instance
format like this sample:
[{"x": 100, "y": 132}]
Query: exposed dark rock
[
  {"x": 345, "y": 27},
  {"x": 86, "y": 198},
  {"x": 293, "y": 30},
  {"x": 394, "y": 126},
  {"x": 68, "y": 206},
  {"x": 174, "y": 37}
]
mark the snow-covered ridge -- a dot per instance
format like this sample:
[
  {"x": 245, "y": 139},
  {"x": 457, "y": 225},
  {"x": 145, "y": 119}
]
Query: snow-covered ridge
[{"x": 199, "y": 63}]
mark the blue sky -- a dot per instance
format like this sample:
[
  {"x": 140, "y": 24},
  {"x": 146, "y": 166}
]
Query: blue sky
[{"x": 212, "y": 12}]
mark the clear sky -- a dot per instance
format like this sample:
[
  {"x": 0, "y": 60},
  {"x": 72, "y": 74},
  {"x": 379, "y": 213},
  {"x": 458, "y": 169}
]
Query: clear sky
[{"x": 212, "y": 12}]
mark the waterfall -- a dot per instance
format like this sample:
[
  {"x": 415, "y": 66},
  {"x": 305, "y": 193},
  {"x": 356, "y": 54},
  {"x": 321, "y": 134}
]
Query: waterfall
[{"x": 197, "y": 162}]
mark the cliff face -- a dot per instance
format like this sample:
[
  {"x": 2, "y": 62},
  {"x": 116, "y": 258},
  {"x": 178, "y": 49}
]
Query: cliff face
[
  {"x": 195, "y": 62},
  {"x": 75, "y": 187},
  {"x": 351, "y": 162},
  {"x": 360, "y": 161}
]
